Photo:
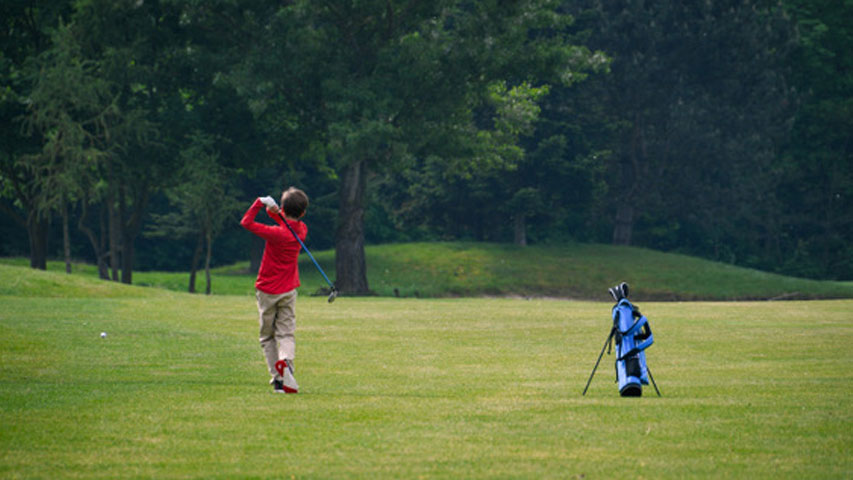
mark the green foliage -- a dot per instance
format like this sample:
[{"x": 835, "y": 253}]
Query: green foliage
[
  {"x": 73, "y": 108},
  {"x": 516, "y": 111},
  {"x": 26, "y": 33},
  {"x": 203, "y": 200},
  {"x": 698, "y": 101},
  {"x": 817, "y": 172},
  {"x": 203, "y": 197},
  {"x": 717, "y": 129},
  {"x": 380, "y": 86}
]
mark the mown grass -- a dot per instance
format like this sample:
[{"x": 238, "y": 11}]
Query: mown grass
[
  {"x": 576, "y": 271},
  {"x": 414, "y": 388}
]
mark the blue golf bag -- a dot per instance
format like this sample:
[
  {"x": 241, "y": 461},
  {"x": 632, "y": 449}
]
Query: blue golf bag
[{"x": 632, "y": 336}]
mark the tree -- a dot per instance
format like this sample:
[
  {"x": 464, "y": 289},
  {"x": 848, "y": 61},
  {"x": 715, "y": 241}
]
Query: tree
[
  {"x": 137, "y": 46},
  {"x": 542, "y": 194},
  {"x": 373, "y": 86},
  {"x": 73, "y": 110},
  {"x": 203, "y": 201},
  {"x": 816, "y": 185},
  {"x": 25, "y": 33},
  {"x": 701, "y": 101}
]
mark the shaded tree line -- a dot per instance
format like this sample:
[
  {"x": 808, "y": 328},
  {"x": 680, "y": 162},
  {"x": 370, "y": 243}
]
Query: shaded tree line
[{"x": 135, "y": 131}]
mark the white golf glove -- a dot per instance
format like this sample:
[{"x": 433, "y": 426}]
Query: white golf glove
[{"x": 268, "y": 201}]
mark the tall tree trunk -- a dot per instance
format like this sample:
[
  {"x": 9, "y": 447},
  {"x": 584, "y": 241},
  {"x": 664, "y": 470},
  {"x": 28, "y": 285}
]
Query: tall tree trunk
[
  {"x": 103, "y": 241},
  {"x": 126, "y": 239},
  {"x": 131, "y": 225},
  {"x": 209, "y": 238},
  {"x": 114, "y": 221},
  {"x": 520, "y": 227},
  {"x": 66, "y": 238},
  {"x": 194, "y": 266},
  {"x": 98, "y": 244},
  {"x": 37, "y": 229},
  {"x": 90, "y": 234},
  {"x": 623, "y": 227},
  {"x": 629, "y": 173},
  {"x": 350, "y": 265},
  {"x": 127, "y": 260}
]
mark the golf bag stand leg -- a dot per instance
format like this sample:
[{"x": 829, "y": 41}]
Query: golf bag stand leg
[
  {"x": 653, "y": 380},
  {"x": 609, "y": 337}
]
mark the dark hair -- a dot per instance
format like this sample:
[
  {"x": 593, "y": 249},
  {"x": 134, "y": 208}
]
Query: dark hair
[{"x": 294, "y": 202}]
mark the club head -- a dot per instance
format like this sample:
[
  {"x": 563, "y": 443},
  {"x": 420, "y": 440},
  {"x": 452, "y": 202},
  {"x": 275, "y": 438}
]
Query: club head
[
  {"x": 333, "y": 295},
  {"x": 619, "y": 291},
  {"x": 614, "y": 293}
]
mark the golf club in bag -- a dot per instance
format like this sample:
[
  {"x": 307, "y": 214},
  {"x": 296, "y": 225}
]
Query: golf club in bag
[
  {"x": 633, "y": 336},
  {"x": 334, "y": 293}
]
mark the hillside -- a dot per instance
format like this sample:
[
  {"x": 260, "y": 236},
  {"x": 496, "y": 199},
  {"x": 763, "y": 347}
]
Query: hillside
[
  {"x": 22, "y": 281},
  {"x": 577, "y": 271},
  {"x": 467, "y": 269}
]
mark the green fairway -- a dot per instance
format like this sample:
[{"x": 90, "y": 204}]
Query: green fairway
[{"x": 414, "y": 388}]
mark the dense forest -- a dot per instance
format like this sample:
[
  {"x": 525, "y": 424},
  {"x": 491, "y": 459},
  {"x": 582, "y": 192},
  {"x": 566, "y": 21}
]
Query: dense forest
[{"x": 137, "y": 132}]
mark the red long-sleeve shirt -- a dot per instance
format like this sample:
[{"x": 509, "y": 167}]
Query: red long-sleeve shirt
[{"x": 279, "y": 272}]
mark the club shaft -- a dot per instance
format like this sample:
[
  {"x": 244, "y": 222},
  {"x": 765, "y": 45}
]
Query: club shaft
[{"x": 306, "y": 251}]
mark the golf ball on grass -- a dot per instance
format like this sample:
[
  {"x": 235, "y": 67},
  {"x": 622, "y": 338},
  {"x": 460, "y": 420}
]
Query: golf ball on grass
[{"x": 103, "y": 334}]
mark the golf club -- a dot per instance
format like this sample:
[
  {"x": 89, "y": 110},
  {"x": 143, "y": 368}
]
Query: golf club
[{"x": 334, "y": 292}]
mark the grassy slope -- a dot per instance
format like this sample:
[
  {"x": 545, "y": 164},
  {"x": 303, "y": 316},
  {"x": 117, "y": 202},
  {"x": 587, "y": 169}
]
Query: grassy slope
[
  {"x": 448, "y": 388},
  {"x": 578, "y": 271},
  {"x": 581, "y": 271}
]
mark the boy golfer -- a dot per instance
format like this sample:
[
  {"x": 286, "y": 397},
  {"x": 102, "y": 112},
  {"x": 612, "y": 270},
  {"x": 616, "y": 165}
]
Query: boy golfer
[{"x": 278, "y": 277}]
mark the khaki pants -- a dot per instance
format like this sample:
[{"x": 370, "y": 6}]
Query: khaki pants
[{"x": 277, "y": 327}]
